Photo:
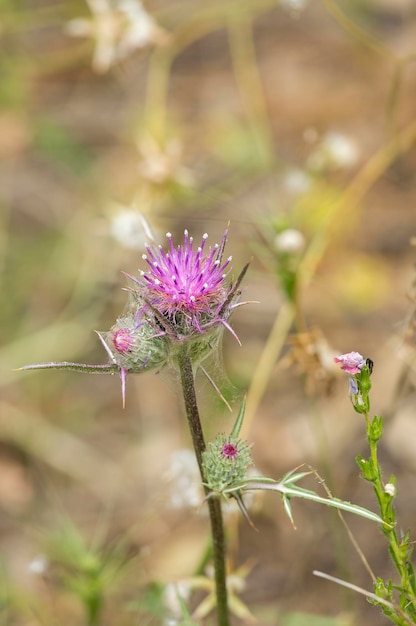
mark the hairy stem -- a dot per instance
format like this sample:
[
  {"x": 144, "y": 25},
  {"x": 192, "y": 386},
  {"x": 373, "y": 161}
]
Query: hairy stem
[
  {"x": 400, "y": 551},
  {"x": 214, "y": 504}
]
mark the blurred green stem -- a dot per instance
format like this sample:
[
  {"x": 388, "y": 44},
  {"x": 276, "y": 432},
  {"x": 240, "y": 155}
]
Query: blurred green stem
[
  {"x": 356, "y": 31},
  {"x": 195, "y": 27},
  {"x": 251, "y": 89},
  {"x": 267, "y": 361},
  {"x": 394, "y": 93},
  {"x": 157, "y": 92},
  {"x": 214, "y": 504}
]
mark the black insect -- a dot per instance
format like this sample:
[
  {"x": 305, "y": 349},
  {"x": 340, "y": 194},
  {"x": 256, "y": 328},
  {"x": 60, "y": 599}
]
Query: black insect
[{"x": 370, "y": 365}]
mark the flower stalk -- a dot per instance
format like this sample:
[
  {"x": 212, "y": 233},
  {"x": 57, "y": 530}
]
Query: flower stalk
[
  {"x": 214, "y": 504},
  {"x": 400, "y": 550}
]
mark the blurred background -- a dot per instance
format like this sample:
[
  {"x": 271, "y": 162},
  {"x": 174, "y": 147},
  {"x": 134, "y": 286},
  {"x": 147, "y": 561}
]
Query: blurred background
[{"x": 295, "y": 121}]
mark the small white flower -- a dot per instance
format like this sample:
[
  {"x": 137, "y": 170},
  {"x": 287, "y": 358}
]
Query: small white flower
[
  {"x": 343, "y": 150},
  {"x": 334, "y": 151},
  {"x": 297, "y": 181},
  {"x": 289, "y": 241},
  {"x": 118, "y": 28},
  {"x": 184, "y": 480},
  {"x": 130, "y": 229},
  {"x": 294, "y": 6},
  {"x": 172, "y": 595},
  {"x": 390, "y": 489},
  {"x": 162, "y": 164},
  {"x": 38, "y": 566},
  {"x": 141, "y": 31}
]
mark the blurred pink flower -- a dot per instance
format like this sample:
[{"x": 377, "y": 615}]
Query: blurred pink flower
[{"x": 352, "y": 362}]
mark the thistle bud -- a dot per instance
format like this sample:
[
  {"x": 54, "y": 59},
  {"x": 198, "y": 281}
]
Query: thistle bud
[
  {"x": 225, "y": 463},
  {"x": 135, "y": 346}
]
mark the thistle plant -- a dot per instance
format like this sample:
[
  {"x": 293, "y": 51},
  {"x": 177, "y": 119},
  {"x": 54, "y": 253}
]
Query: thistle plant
[
  {"x": 177, "y": 310},
  {"x": 397, "y": 600}
]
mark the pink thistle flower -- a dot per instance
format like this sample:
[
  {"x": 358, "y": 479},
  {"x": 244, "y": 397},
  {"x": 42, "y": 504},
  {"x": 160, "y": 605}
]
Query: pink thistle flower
[
  {"x": 185, "y": 287},
  {"x": 182, "y": 295},
  {"x": 352, "y": 362},
  {"x": 229, "y": 451}
]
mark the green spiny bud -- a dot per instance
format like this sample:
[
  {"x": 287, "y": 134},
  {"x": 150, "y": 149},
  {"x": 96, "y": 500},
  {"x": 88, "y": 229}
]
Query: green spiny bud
[
  {"x": 136, "y": 346},
  {"x": 225, "y": 463}
]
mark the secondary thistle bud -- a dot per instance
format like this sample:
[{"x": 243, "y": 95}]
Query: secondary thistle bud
[
  {"x": 123, "y": 340},
  {"x": 225, "y": 463},
  {"x": 134, "y": 346}
]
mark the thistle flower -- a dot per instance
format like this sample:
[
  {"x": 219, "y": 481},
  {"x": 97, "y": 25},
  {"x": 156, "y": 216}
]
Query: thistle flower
[
  {"x": 183, "y": 296},
  {"x": 185, "y": 288}
]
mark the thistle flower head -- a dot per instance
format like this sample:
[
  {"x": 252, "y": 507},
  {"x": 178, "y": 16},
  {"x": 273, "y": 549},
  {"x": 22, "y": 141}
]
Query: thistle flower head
[
  {"x": 187, "y": 286},
  {"x": 182, "y": 296}
]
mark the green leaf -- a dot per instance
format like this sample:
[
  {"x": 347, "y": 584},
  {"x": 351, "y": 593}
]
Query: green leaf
[
  {"x": 109, "y": 368},
  {"x": 239, "y": 421},
  {"x": 288, "y": 490}
]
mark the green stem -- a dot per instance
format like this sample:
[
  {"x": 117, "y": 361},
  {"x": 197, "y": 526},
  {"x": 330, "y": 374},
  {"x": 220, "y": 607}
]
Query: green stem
[
  {"x": 214, "y": 504},
  {"x": 399, "y": 553}
]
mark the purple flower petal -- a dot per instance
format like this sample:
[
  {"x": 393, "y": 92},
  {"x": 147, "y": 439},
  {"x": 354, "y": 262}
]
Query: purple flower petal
[
  {"x": 187, "y": 285},
  {"x": 352, "y": 362}
]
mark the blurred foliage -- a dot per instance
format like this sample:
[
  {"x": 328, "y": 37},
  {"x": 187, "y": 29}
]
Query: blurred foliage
[{"x": 55, "y": 143}]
